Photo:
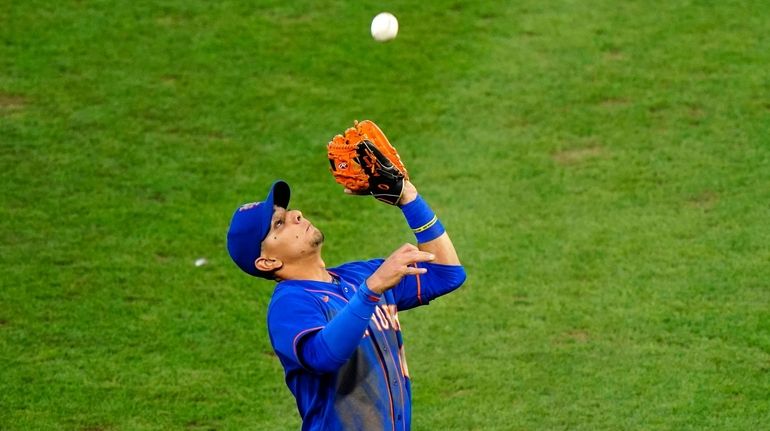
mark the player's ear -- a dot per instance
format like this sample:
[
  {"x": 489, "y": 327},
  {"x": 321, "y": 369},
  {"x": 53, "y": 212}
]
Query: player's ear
[{"x": 267, "y": 265}]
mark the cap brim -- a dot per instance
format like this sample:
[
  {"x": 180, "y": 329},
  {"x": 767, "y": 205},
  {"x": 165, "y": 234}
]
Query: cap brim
[{"x": 279, "y": 194}]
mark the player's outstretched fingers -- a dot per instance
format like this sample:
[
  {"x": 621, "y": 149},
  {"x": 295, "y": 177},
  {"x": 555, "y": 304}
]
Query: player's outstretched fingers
[
  {"x": 414, "y": 270},
  {"x": 398, "y": 265},
  {"x": 411, "y": 250},
  {"x": 407, "y": 246},
  {"x": 419, "y": 256}
]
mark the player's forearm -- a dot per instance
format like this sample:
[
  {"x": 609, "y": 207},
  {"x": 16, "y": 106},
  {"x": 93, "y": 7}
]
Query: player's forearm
[
  {"x": 443, "y": 249},
  {"x": 429, "y": 231}
]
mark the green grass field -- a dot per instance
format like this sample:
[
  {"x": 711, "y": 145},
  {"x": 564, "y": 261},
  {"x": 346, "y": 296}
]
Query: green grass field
[{"x": 603, "y": 168}]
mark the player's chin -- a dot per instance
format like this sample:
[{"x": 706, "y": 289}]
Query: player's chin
[{"x": 318, "y": 238}]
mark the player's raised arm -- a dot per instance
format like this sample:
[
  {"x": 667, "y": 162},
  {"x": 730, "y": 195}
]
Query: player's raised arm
[
  {"x": 428, "y": 230},
  {"x": 365, "y": 163}
]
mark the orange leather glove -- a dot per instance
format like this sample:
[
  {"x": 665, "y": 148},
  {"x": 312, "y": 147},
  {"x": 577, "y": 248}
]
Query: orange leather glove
[{"x": 364, "y": 162}]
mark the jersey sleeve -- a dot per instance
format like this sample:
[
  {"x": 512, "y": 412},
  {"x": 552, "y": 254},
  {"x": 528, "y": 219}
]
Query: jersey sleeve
[
  {"x": 328, "y": 349},
  {"x": 289, "y": 320},
  {"x": 303, "y": 336},
  {"x": 416, "y": 290}
]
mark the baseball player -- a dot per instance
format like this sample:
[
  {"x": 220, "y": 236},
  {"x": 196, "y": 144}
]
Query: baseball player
[{"x": 336, "y": 330}]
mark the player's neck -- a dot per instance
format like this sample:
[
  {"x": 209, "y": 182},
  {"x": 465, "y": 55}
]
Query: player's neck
[{"x": 312, "y": 268}]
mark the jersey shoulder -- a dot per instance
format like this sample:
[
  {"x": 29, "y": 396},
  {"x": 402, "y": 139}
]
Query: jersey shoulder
[
  {"x": 291, "y": 294},
  {"x": 357, "y": 271}
]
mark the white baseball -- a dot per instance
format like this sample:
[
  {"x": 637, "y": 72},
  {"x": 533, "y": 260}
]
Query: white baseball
[{"x": 384, "y": 27}]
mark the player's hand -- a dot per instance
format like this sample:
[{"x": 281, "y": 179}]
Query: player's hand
[
  {"x": 396, "y": 266},
  {"x": 407, "y": 195}
]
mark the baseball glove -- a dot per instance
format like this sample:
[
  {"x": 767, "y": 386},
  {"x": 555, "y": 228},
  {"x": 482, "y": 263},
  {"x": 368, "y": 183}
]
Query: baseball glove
[{"x": 364, "y": 162}]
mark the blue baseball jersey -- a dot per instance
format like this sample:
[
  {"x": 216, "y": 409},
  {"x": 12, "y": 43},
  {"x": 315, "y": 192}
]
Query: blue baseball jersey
[{"x": 371, "y": 390}]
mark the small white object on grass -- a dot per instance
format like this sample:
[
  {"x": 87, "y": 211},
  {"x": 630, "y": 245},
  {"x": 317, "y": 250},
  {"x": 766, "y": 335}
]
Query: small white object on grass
[
  {"x": 201, "y": 261},
  {"x": 384, "y": 27}
]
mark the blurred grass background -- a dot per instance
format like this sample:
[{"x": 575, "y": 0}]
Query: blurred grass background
[{"x": 602, "y": 168}]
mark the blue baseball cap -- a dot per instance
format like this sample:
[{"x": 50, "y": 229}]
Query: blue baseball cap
[{"x": 250, "y": 225}]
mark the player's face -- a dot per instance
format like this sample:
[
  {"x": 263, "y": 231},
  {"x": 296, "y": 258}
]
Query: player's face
[{"x": 291, "y": 236}]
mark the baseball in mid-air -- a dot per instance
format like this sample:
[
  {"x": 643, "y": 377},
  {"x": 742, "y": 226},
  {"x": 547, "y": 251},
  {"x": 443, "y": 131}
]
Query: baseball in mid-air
[{"x": 384, "y": 27}]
